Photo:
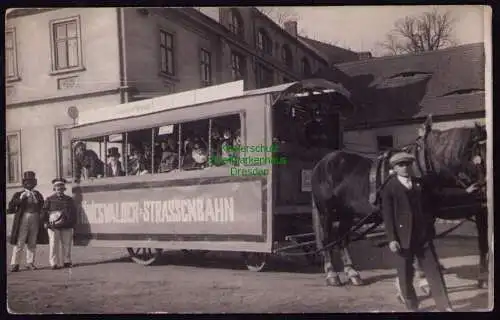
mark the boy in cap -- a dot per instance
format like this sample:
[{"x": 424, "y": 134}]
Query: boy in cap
[
  {"x": 59, "y": 219},
  {"x": 410, "y": 229},
  {"x": 27, "y": 207}
]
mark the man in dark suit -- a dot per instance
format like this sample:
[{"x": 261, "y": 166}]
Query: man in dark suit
[
  {"x": 410, "y": 229},
  {"x": 27, "y": 207}
]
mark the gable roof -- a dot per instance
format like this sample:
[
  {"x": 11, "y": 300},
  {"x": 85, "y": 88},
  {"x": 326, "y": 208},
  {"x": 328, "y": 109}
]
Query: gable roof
[
  {"x": 333, "y": 53},
  {"x": 398, "y": 88}
]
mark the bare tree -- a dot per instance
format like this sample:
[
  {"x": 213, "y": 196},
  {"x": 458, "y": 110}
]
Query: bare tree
[{"x": 427, "y": 32}]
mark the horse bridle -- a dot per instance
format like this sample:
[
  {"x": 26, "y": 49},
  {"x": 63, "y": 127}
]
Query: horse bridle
[{"x": 425, "y": 165}]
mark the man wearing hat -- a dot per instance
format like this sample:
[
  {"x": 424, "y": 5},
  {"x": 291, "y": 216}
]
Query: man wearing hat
[
  {"x": 114, "y": 166},
  {"x": 27, "y": 207},
  {"x": 59, "y": 217},
  {"x": 409, "y": 226}
]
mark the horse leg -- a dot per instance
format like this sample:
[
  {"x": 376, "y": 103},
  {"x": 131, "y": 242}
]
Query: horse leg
[
  {"x": 323, "y": 229},
  {"x": 351, "y": 273},
  {"x": 482, "y": 234}
]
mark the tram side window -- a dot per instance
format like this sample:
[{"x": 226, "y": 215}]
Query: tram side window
[
  {"x": 89, "y": 158},
  {"x": 225, "y": 138},
  {"x": 194, "y": 147},
  {"x": 166, "y": 148},
  {"x": 139, "y": 152}
]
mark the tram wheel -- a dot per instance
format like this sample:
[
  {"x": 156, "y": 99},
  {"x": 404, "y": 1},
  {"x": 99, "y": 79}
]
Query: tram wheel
[
  {"x": 255, "y": 261},
  {"x": 144, "y": 256}
]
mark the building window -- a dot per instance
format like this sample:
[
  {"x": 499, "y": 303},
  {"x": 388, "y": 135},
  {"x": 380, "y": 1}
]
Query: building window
[
  {"x": 167, "y": 52},
  {"x": 66, "y": 44},
  {"x": 10, "y": 55},
  {"x": 13, "y": 157},
  {"x": 264, "y": 76},
  {"x": 264, "y": 43},
  {"x": 385, "y": 142},
  {"x": 237, "y": 66},
  {"x": 286, "y": 56},
  {"x": 306, "y": 67},
  {"x": 63, "y": 148},
  {"x": 206, "y": 68},
  {"x": 235, "y": 23}
]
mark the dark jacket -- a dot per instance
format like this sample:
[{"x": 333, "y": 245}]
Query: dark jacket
[
  {"x": 119, "y": 173},
  {"x": 406, "y": 213},
  {"x": 17, "y": 207},
  {"x": 91, "y": 161},
  {"x": 66, "y": 205}
]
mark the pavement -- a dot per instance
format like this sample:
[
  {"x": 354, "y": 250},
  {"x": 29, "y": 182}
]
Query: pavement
[{"x": 104, "y": 280}]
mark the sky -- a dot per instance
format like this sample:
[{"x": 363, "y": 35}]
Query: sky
[{"x": 361, "y": 27}]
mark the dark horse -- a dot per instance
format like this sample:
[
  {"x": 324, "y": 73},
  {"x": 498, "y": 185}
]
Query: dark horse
[{"x": 342, "y": 188}]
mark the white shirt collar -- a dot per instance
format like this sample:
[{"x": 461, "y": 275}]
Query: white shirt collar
[{"x": 405, "y": 181}]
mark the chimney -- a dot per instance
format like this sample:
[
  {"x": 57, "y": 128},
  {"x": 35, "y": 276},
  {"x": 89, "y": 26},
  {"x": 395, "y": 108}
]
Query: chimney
[
  {"x": 364, "y": 55},
  {"x": 291, "y": 27}
]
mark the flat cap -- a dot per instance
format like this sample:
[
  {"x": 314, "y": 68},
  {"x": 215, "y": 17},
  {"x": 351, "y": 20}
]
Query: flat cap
[
  {"x": 401, "y": 157},
  {"x": 59, "y": 181}
]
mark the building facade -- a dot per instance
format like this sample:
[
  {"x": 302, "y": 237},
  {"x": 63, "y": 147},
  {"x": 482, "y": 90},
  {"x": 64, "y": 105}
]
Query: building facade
[
  {"x": 55, "y": 61},
  {"x": 94, "y": 57}
]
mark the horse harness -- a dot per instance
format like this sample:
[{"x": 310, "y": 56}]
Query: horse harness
[{"x": 380, "y": 169}]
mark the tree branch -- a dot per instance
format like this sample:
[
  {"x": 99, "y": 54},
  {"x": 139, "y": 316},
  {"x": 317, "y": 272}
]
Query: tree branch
[{"x": 413, "y": 34}]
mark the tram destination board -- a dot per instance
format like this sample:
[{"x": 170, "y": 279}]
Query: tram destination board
[{"x": 212, "y": 210}]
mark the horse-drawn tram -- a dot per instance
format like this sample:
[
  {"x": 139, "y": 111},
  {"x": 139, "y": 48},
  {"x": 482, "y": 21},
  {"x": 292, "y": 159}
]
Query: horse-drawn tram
[{"x": 214, "y": 169}]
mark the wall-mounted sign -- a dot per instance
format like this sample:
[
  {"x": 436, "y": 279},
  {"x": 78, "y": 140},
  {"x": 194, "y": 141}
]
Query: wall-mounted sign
[{"x": 166, "y": 130}]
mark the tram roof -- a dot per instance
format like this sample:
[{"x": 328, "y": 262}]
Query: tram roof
[{"x": 199, "y": 96}]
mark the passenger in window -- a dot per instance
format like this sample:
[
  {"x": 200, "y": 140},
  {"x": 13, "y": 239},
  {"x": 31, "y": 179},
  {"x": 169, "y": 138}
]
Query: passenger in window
[
  {"x": 114, "y": 166},
  {"x": 196, "y": 154},
  {"x": 237, "y": 143},
  {"x": 169, "y": 155},
  {"x": 216, "y": 143},
  {"x": 237, "y": 138},
  {"x": 87, "y": 163},
  {"x": 137, "y": 163},
  {"x": 147, "y": 156},
  {"x": 227, "y": 144}
]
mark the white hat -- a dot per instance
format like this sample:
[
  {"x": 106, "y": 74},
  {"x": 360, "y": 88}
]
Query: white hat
[{"x": 401, "y": 157}]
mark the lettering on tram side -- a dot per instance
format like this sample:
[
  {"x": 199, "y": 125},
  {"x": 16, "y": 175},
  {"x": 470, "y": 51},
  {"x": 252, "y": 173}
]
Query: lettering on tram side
[{"x": 200, "y": 209}]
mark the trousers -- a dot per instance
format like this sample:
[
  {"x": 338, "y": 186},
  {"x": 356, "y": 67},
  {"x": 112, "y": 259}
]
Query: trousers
[
  {"x": 28, "y": 233},
  {"x": 428, "y": 260},
  {"x": 60, "y": 243}
]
